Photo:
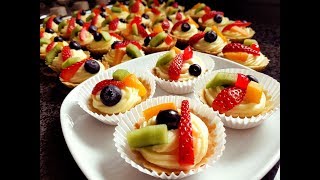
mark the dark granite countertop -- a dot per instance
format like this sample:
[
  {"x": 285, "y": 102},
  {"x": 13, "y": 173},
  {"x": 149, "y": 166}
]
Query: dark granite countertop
[{"x": 56, "y": 162}]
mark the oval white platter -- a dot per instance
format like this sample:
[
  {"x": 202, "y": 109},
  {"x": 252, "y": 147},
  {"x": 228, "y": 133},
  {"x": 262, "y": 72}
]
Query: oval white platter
[{"x": 249, "y": 153}]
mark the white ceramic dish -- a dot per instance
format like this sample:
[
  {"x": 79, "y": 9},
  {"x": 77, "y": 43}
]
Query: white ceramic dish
[{"x": 249, "y": 154}]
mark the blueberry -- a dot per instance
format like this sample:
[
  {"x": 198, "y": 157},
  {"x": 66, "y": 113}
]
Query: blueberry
[
  {"x": 122, "y": 20},
  {"x": 169, "y": 19},
  {"x": 48, "y": 30},
  {"x": 103, "y": 8},
  {"x": 146, "y": 16},
  {"x": 97, "y": 36},
  {"x": 83, "y": 12},
  {"x": 143, "y": 3},
  {"x": 195, "y": 70},
  {"x": 210, "y": 36},
  {"x": 92, "y": 29},
  {"x": 57, "y": 20},
  {"x": 217, "y": 18},
  {"x": 144, "y": 26},
  {"x": 80, "y": 22},
  {"x": 161, "y": 1},
  {"x": 252, "y": 78},
  {"x": 110, "y": 95},
  {"x": 92, "y": 66},
  {"x": 126, "y": 2},
  {"x": 103, "y": 14},
  {"x": 57, "y": 39},
  {"x": 169, "y": 117},
  {"x": 113, "y": 44},
  {"x": 185, "y": 27},
  {"x": 74, "y": 45},
  {"x": 147, "y": 41}
]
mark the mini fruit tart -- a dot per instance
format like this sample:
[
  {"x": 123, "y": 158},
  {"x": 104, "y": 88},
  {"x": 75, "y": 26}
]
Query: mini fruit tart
[
  {"x": 156, "y": 42},
  {"x": 81, "y": 16},
  {"x": 214, "y": 18},
  {"x": 46, "y": 45},
  {"x": 198, "y": 11},
  {"x": 238, "y": 96},
  {"x": 102, "y": 42},
  {"x": 84, "y": 35},
  {"x": 96, "y": 19},
  {"x": 67, "y": 26},
  {"x": 52, "y": 22},
  {"x": 238, "y": 31},
  {"x": 122, "y": 51},
  {"x": 210, "y": 41},
  {"x": 135, "y": 31},
  {"x": 247, "y": 54},
  {"x": 46, "y": 33},
  {"x": 115, "y": 25},
  {"x": 170, "y": 136},
  {"x": 183, "y": 30},
  {"x": 118, "y": 10}
]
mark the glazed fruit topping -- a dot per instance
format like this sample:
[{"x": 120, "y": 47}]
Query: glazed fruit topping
[
  {"x": 92, "y": 29},
  {"x": 114, "y": 24},
  {"x": 210, "y": 15},
  {"x": 238, "y": 47},
  {"x": 255, "y": 47},
  {"x": 120, "y": 74},
  {"x": 153, "y": 111},
  {"x": 218, "y": 18},
  {"x": 169, "y": 117},
  {"x": 155, "y": 11},
  {"x": 83, "y": 34},
  {"x": 105, "y": 83},
  {"x": 50, "y": 46},
  {"x": 175, "y": 67},
  {"x": 74, "y": 45},
  {"x": 48, "y": 30},
  {"x": 168, "y": 40},
  {"x": 186, "y": 154},
  {"x": 110, "y": 95},
  {"x": 83, "y": 12},
  {"x": 222, "y": 79},
  {"x": 253, "y": 93},
  {"x": 165, "y": 25},
  {"x": 57, "y": 20},
  {"x": 177, "y": 24},
  {"x": 135, "y": 20},
  {"x": 121, "y": 44},
  {"x": 242, "y": 81},
  {"x": 228, "y": 98},
  {"x": 113, "y": 45},
  {"x": 156, "y": 2},
  {"x": 195, "y": 70},
  {"x": 210, "y": 36},
  {"x": 236, "y": 23},
  {"x": 97, "y": 36},
  {"x": 92, "y": 66},
  {"x": 135, "y": 7},
  {"x": 67, "y": 73},
  {"x": 175, "y": 5},
  {"x": 116, "y": 35},
  {"x": 178, "y": 16},
  {"x": 71, "y": 26},
  {"x": 80, "y": 22},
  {"x": 58, "y": 39},
  {"x": 195, "y": 38},
  {"x": 49, "y": 22},
  {"x": 207, "y": 9},
  {"x": 132, "y": 81},
  {"x": 185, "y": 27},
  {"x": 252, "y": 78},
  {"x": 94, "y": 20},
  {"x": 66, "y": 53},
  {"x": 187, "y": 53},
  {"x": 142, "y": 31}
]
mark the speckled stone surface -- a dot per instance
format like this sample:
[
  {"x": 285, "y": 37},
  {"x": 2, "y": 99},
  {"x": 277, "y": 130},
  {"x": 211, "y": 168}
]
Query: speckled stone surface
[{"x": 56, "y": 161}]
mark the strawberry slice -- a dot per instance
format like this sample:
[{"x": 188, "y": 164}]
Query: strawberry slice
[
  {"x": 114, "y": 24},
  {"x": 155, "y": 11},
  {"x": 50, "y": 46},
  {"x": 255, "y": 47},
  {"x": 49, "y": 22},
  {"x": 98, "y": 87},
  {"x": 94, "y": 20},
  {"x": 142, "y": 31},
  {"x": 177, "y": 24},
  {"x": 83, "y": 34},
  {"x": 168, "y": 40},
  {"x": 136, "y": 44},
  {"x": 125, "y": 43},
  {"x": 156, "y": 2},
  {"x": 72, "y": 24},
  {"x": 66, "y": 53},
  {"x": 178, "y": 16},
  {"x": 165, "y": 25},
  {"x": 153, "y": 34},
  {"x": 67, "y": 73},
  {"x": 210, "y": 15},
  {"x": 195, "y": 38},
  {"x": 135, "y": 7},
  {"x": 242, "y": 81},
  {"x": 175, "y": 5},
  {"x": 187, "y": 53},
  {"x": 116, "y": 35},
  {"x": 41, "y": 34},
  {"x": 237, "y": 23},
  {"x": 175, "y": 67},
  {"x": 79, "y": 14},
  {"x": 97, "y": 11},
  {"x": 186, "y": 153},
  {"x": 207, "y": 9},
  {"x": 238, "y": 47},
  {"x": 228, "y": 98}
]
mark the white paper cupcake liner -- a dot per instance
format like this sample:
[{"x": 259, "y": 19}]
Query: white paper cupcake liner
[
  {"x": 271, "y": 85},
  {"x": 129, "y": 119},
  {"x": 88, "y": 85},
  {"x": 180, "y": 87}
]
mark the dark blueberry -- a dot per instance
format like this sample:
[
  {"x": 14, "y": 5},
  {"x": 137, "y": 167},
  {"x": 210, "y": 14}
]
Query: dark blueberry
[
  {"x": 161, "y": 1},
  {"x": 179, "y": 10},
  {"x": 252, "y": 78},
  {"x": 114, "y": 43},
  {"x": 126, "y": 2},
  {"x": 144, "y": 26},
  {"x": 103, "y": 14},
  {"x": 144, "y": 3},
  {"x": 147, "y": 41},
  {"x": 74, "y": 45},
  {"x": 210, "y": 36},
  {"x": 169, "y": 19},
  {"x": 122, "y": 20},
  {"x": 195, "y": 70},
  {"x": 97, "y": 36},
  {"x": 146, "y": 16},
  {"x": 110, "y": 95},
  {"x": 92, "y": 66},
  {"x": 83, "y": 12},
  {"x": 103, "y": 8},
  {"x": 217, "y": 18},
  {"x": 185, "y": 27},
  {"x": 57, "y": 20},
  {"x": 48, "y": 30},
  {"x": 169, "y": 117},
  {"x": 92, "y": 29},
  {"x": 58, "y": 39},
  {"x": 80, "y": 22}
]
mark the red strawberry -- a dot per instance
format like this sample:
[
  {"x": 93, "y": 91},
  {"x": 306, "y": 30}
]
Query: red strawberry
[
  {"x": 95, "y": 19},
  {"x": 67, "y": 73},
  {"x": 238, "y": 47},
  {"x": 50, "y": 46},
  {"x": 165, "y": 25},
  {"x": 66, "y": 53},
  {"x": 155, "y": 11},
  {"x": 207, "y": 9},
  {"x": 114, "y": 24},
  {"x": 41, "y": 34},
  {"x": 135, "y": 7},
  {"x": 177, "y": 24},
  {"x": 178, "y": 16},
  {"x": 49, "y": 22},
  {"x": 96, "y": 11},
  {"x": 83, "y": 34},
  {"x": 175, "y": 67},
  {"x": 255, "y": 47},
  {"x": 168, "y": 40},
  {"x": 242, "y": 81},
  {"x": 142, "y": 31},
  {"x": 72, "y": 24},
  {"x": 175, "y": 5},
  {"x": 136, "y": 19},
  {"x": 228, "y": 98},
  {"x": 156, "y": 2},
  {"x": 79, "y": 14},
  {"x": 136, "y": 44},
  {"x": 116, "y": 35},
  {"x": 237, "y": 23},
  {"x": 195, "y": 38},
  {"x": 210, "y": 15},
  {"x": 187, "y": 53},
  {"x": 121, "y": 44},
  {"x": 98, "y": 87},
  {"x": 153, "y": 34},
  {"x": 186, "y": 153}
]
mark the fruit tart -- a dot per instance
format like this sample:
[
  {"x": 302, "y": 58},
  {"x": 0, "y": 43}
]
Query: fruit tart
[
  {"x": 210, "y": 41},
  {"x": 102, "y": 42},
  {"x": 183, "y": 30},
  {"x": 247, "y": 54},
  {"x": 80, "y": 15},
  {"x": 135, "y": 31},
  {"x": 158, "y": 41},
  {"x": 198, "y": 11},
  {"x": 115, "y": 25},
  {"x": 118, "y": 10},
  {"x": 238, "y": 31},
  {"x": 173, "y": 9},
  {"x": 76, "y": 71},
  {"x": 122, "y": 51},
  {"x": 214, "y": 18},
  {"x": 52, "y": 22},
  {"x": 84, "y": 35},
  {"x": 96, "y": 19},
  {"x": 170, "y": 138},
  {"x": 47, "y": 45}
]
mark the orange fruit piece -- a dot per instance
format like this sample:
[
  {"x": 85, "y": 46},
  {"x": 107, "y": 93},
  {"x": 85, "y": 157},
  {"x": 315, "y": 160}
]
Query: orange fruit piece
[
  {"x": 150, "y": 112},
  {"x": 191, "y": 21},
  {"x": 253, "y": 93},
  {"x": 157, "y": 28},
  {"x": 196, "y": 6},
  {"x": 118, "y": 56},
  {"x": 239, "y": 30},
  {"x": 236, "y": 56},
  {"x": 215, "y": 29},
  {"x": 124, "y": 8},
  {"x": 176, "y": 50},
  {"x": 132, "y": 81}
]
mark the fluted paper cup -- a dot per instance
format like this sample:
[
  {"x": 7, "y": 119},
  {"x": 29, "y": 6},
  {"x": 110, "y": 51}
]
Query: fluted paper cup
[
  {"x": 269, "y": 84},
  {"x": 215, "y": 149},
  {"x": 84, "y": 96}
]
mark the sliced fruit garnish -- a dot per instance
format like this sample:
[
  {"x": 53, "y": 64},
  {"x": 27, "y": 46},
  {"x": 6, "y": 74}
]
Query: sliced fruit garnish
[
  {"x": 133, "y": 81},
  {"x": 187, "y": 53},
  {"x": 165, "y": 25},
  {"x": 133, "y": 51},
  {"x": 120, "y": 74},
  {"x": 67, "y": 73},
  {"x": 237, "y": 23},
  {"x": 153, "y": 34},
  {"x": 135, "y": 20},
  {"x": 156, "y": 2},
  {"x": 135, "y": 7},
  {"x": 50, "y": 46},
  {"x": 105, "y": 35},
  {"x": 114, "y": 24},
  {"x": 175, "y": 5},
  {"x": 125, "y": 43},
  {"x": 44, "y": 41},
  {"x": 207, "y": 9},
  {"x": 253, "y": 93},
  {"x": 83, "y": 34},
  {"x": 99, "y": 86},
  {"x": 191, "y": 21},
  {"x": 176, "y": 50},
  {"x": 175, "y": 67},
  {"x": 228, "y": 98},
  {"x": 134, "y": 29},
  {"x": 72, "y": 24},
  {"x": 255, "y": 47},
  {"x": 118, "y": 56},
  {"x": 153, "y": 111},
  {"x": 199, "y": 8},
  {"x": 242, "y": 81},
  {"x": 53, "y": 53},
  {"x": 222, "y": 79},
  {"x": 157, "y": 28},
  {"x": 165, "y": 59},
  {"x": 158, "y": 39},
  {"x": 155, "y": 11},
  {"x": 240, "y": 30},
  {"x": 236, "y": 56},
  {"x": 195, "y": 38},
  {"x": 142, "y": 31},
  {"x": 168, "y": 39},
  {"x": 41, "y": 34},
  {"x": 66, "y": 53},
  {"x": 95, "y": 19},
  {"x": 49, "y": 22},
  {"x": 210, "y": 15},
  {"x": 116, "y": 35},
  {"x": 178, "y": 16},
  {"x": 177, "y": 24},
  {"x": 70, "y": 61},
  {"x": 249, "y": 42},
  {"x": 218, "y": 32},
  {"x": 186, "y": 153},
  {"x": 238, "y": 47}
]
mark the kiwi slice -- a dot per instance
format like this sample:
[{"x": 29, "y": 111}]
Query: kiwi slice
[
  {"x": 70, "y": 61},
  {"x": 105, "y": 35},
  {"x": 159, "y": 19},
  {"x": 172, "y": 11},
  {"x": 62, "y": 25},
  {"x": 89, "y": 17},
  {"x": 207, "y": 29},
  {"x": 45, "y": 22},
  {"x": 148, "y": 136},
  {"x": 158, "y": 39},
  {"x": 53, "y": 53},
  {"x": 120, "y": 74},
  {"x": 130, "y": 16},
  {"x": 222, "y": 79},
  {"x": 170, "y": 2},
  {"x": 116, "y": 9},
  {"x": 75, "y": 31},
  {"x": 248, "y": 42},
  {"x": 199, "y": 8},
  {"x": 117, "y": 4},
  {"x": 106, "y": 21},
  {"x": 135, "y": 29},
  {"x": 133, "y": 51},
  {"x": 74, "y": 13},
  {"x": 165, "y": 59},
  {"x": 44, "y": 41}
]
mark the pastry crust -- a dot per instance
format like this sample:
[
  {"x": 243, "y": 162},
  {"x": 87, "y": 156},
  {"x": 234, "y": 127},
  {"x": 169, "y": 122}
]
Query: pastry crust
[{"x": 149, "y": 50}]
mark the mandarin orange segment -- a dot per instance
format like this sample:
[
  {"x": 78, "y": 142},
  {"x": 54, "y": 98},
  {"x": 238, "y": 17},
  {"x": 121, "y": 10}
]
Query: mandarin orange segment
[
  {"x": 124, "y": 8},
  {"x": 254, "y": 92},
  {"x": 118, "y": 56},
  {"x": 157, "y": 28},
  {"x": 236, "y": 56},
  {"x": 153, "y": 111},
  {"x": 191, "y": 21},
  {"x": 133, "y": 81},
  {"x": 196, "y": 6},
  {"x": 215, "y": 29},
  {"x": 176, "y": 50}
]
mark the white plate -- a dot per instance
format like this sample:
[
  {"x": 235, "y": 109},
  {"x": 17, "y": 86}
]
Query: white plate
[{"x": 249, "y": 154}]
